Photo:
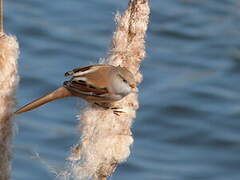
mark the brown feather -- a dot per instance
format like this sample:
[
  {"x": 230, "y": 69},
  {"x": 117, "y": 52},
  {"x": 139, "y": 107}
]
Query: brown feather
[
  {"x": 104, "y": 75},
  {"x": 88, "y": 88}
]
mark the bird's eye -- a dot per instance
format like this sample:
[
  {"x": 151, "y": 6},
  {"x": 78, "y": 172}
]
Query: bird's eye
[{"x": 124, "y": 80}]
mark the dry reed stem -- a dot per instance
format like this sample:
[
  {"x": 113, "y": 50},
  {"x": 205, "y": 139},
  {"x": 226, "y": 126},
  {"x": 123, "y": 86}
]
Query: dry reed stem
[
  {"x": 1, "y": 17},
  {"x": 106, "y": 138},
  {"x": 8, "y": 82}
]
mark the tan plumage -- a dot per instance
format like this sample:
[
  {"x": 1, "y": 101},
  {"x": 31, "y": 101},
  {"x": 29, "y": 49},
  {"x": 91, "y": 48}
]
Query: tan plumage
[{"x": 95, "y": 83}]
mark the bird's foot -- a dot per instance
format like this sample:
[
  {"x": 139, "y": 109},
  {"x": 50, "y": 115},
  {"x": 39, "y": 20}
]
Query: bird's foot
[
  {"x": 104, "y": 106},
  {"x": 116, "y": 110},
  {"x": 2, "y": 35}
]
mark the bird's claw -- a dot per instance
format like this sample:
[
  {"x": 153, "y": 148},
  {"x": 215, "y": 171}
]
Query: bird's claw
[
  {"x": 116, "y": 110},
  {"x": 2, "y": 35},
  {"x": 102, "y": 106}
]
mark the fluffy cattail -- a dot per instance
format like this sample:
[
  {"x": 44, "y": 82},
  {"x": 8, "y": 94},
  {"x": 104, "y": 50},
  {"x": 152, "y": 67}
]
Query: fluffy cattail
[
  {"x": 106, "y": 138},
  {"x": 8, "y": 83}
]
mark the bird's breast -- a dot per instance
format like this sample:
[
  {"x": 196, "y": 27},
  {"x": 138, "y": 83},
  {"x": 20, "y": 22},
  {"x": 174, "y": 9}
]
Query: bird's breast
[{"x": 122, "y": 88}]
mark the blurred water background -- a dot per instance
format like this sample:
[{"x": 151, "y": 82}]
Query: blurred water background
[{"x": 188, "y": 124}]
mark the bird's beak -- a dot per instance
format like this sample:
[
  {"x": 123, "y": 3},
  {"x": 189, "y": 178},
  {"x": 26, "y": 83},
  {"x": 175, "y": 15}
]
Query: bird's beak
[{"x": 132, "y": 85}]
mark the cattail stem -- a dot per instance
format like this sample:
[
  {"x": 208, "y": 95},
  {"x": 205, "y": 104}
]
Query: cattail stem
[{"x": 1, "y": 17}]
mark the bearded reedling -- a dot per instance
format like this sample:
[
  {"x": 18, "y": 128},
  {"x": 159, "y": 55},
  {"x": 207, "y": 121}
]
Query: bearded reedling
[{"x": 98, "y": 84}]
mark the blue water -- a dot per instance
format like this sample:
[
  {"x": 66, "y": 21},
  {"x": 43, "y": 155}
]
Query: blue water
[{"x": 188, "y": 124}]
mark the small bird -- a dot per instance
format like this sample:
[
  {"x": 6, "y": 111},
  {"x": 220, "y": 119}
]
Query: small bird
[{"x": 98, "y": 84}]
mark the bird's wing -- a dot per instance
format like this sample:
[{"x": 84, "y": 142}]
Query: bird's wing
[
  {"x": 98, "y": 76},
  {"x": 90, "y": 93},
  {"x": 79, "y": 69},
  {"x": 82, "y": 88},
  {"x": 84, "y": 69}
]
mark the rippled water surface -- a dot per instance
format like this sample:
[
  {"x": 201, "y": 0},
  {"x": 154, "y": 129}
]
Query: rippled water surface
[{"x": 188, "y": 124}]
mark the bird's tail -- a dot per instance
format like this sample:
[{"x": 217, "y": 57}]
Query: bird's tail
[{"x": 59, "y": 93}]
